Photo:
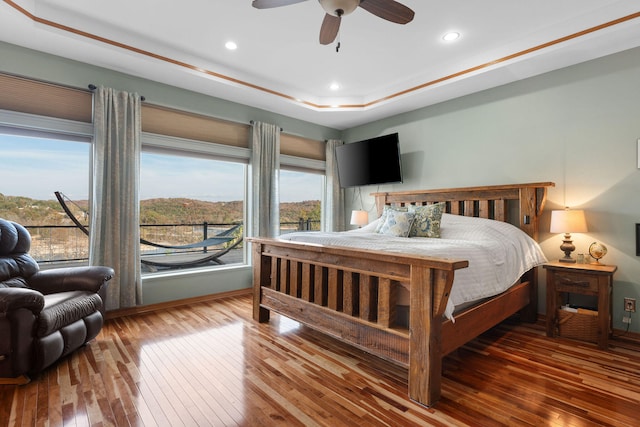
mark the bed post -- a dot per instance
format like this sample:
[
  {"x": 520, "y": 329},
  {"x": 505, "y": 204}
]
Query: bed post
[
  {"x": 430, "y": 290},
  {"x": 261, "y": 275},
  {"x": 532, "y": 201},
  {"x": 380, "y": 202}
]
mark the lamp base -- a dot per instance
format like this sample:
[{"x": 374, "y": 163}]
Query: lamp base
[{"x": 567, "y": 247}]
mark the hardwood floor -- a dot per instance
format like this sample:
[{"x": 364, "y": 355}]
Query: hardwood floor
[{"x": 210, "y": 364}]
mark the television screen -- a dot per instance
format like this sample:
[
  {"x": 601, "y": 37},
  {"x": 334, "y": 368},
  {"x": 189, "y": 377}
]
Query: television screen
[{"x": 372, "y": 161}]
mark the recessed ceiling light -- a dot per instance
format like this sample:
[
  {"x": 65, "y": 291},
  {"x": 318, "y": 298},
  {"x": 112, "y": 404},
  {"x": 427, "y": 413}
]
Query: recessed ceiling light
[
  {"x": 451, "y": 36},
  {"x": 334, "y": 86},
  {"x": 231, "y": 45}
]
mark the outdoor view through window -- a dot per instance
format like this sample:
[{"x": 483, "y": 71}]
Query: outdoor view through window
[
  {"x": 33, "y": 169},
  {"x": 185, "y": 201}
]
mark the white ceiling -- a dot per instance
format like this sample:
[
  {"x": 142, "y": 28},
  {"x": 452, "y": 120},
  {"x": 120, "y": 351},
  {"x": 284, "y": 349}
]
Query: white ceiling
[{"x": 383, "y": 68}]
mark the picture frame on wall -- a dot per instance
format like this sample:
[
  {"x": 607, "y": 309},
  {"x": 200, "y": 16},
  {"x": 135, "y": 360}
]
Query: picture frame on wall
[{"x": 637, "y": 239}]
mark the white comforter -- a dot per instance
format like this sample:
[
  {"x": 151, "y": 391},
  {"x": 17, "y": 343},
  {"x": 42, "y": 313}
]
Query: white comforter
[{"x": 498, "y": 253}]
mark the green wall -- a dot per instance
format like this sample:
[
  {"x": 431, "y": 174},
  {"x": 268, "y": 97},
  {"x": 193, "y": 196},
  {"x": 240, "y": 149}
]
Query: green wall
[{"x": 578, "y": 127}]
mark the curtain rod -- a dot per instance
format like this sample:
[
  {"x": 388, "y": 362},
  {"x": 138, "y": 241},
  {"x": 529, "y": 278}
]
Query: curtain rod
[
  {"x": 252, "y": 122},
  {"x": 94, "y": 87}
]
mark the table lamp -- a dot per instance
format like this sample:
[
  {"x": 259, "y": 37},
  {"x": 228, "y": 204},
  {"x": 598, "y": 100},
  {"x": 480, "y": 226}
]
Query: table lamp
[
  {"x": 359, "y": 218},
  {"x": 568, "y": 221}
]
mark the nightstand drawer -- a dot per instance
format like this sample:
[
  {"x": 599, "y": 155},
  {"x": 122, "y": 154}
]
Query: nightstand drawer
[{"x": 576, "y": 282}]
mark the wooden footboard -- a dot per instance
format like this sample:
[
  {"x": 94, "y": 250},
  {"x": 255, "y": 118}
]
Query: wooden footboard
[{"x": 351, "y": 294}]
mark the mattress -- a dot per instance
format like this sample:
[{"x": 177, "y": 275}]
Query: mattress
[{"x": 498, "y": 252}]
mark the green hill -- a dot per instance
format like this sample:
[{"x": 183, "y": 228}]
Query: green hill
[{"x": 28, "y": 211}]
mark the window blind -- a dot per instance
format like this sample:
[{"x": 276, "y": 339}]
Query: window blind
[
  {"x": 187, "y": 125},
  {"x": 45, "y": 99},
  {"x": 297, "y": 146}
]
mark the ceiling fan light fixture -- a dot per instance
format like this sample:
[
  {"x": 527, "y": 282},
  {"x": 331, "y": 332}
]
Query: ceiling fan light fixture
[{"x": 339, "y": 7}]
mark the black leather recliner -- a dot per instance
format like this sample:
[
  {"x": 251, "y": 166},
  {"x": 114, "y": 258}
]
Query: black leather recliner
[{"x": 44, "y": 315}]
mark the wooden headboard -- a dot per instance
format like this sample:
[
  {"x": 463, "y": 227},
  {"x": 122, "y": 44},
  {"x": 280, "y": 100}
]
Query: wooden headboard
[{"x": 490, "y": 202}]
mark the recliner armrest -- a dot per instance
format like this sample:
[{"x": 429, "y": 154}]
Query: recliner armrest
[
  {"x": 90, "y": 278},
  {"x": 14, "y": 298}
]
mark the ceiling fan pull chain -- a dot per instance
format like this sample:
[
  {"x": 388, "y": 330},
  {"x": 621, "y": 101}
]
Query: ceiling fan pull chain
[{"x": 338, "y": 44}]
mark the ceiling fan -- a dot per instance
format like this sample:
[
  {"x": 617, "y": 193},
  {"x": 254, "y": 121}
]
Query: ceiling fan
[{"x": 335, "y": 9}]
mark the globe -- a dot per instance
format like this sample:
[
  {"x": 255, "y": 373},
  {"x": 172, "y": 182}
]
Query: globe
[{"x": 597, "y": 250}]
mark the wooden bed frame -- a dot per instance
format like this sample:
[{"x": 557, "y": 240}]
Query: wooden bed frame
[{"x": 351, "y": 294}]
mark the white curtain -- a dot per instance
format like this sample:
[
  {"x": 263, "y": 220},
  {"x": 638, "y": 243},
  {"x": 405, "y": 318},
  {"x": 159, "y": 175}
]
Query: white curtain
[
  {"x": 114, "y": 228},
  {"x": 265, "y": 168},
  {"x": 333, "y": 215}
]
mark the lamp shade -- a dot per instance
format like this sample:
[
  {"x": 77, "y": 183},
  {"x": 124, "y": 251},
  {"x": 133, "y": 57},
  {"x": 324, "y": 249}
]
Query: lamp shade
[
  {"x": 359, "y": 218},
  {"x": 568, "y": 221}
]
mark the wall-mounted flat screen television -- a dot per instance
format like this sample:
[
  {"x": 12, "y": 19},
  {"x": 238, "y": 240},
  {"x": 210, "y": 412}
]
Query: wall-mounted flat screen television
[{"x": 372, "y": 161}]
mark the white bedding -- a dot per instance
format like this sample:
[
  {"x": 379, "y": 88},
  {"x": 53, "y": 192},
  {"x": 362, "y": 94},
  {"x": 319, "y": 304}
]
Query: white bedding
[{"x": 498, "y": 253}]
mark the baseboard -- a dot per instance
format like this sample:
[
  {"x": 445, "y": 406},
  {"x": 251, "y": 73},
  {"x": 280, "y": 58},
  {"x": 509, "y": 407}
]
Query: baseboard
[
  {"x": 621, "y": 334},
  {"x": 132, "y": 311}
]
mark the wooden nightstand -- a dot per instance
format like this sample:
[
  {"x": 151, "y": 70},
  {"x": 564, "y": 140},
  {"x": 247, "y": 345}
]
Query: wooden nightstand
[{"x": 583, "y": 279}]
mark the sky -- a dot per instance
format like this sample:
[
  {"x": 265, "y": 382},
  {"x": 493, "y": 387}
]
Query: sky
[{"x": 37, "y": 167}]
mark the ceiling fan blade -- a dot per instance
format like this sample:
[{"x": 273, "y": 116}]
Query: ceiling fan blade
[
  {"x": 268, "y": 4},
  {"x": 388, "y": 9},
  {"x": 329, "y": 28}
]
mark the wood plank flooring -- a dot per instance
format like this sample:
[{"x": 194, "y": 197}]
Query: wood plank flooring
[{"x": 210, "y": 364}]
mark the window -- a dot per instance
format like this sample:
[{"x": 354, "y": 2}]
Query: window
[
  {"x": 300, "y": 200},
  {"x": 185, "y": 199},
  {"x": 33, "y": 169}
]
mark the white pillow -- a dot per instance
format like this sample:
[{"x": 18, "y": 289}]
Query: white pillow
[{"x": 369, "y": 228}]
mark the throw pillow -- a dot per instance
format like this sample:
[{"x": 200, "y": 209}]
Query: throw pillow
[
  {"x": 397, "y": 223},
  {"x": 427, "y": 220},
  {"x": 386, "y": 209}
]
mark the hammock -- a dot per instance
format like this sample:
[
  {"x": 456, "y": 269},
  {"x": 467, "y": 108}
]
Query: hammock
[
  {"x": 206, "y": 259},
  {"x": 218, "y": 239}
]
